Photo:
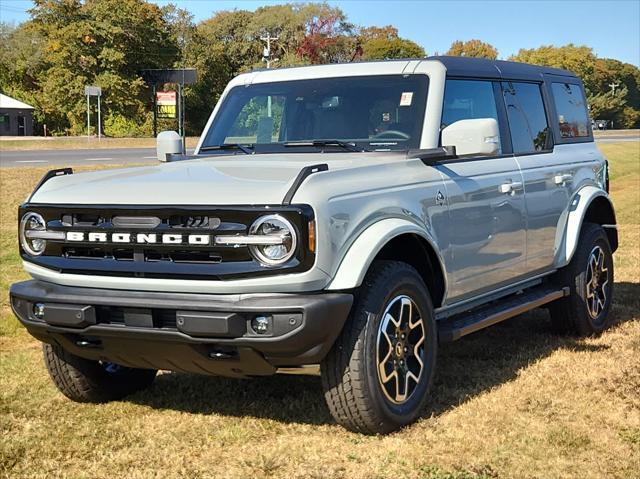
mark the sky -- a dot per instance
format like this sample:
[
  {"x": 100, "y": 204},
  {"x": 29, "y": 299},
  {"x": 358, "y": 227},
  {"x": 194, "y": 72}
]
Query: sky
[{"x": 611, "y": 28}]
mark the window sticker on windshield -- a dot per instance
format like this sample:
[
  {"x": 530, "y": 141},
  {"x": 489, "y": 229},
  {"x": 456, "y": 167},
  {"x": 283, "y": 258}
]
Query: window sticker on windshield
[{"x": 406, "y": 98}]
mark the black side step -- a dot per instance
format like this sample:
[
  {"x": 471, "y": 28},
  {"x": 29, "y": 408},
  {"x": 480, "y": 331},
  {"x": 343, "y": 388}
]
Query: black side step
[{"x": 466, "y": 323}]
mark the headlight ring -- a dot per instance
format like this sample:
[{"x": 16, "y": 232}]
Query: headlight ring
[
  {"x": 278, "y": 227},
  {"x": 32, "y": 222}
]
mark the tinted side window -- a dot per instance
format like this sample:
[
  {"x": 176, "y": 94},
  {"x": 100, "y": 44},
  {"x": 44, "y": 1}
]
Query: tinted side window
[
  {"x": 527, "y": 118},
  {"x": 468, "y": 99},
  {"x": 572, "y": 110}
]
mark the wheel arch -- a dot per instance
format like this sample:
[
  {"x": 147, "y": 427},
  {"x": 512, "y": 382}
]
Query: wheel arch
[
  {"x": 589, "y": 205},
  {"x": 393, "y": 239}
]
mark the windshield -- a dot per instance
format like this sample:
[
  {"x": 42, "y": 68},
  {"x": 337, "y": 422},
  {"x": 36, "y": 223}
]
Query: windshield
[{"x": 373, "y": 113}]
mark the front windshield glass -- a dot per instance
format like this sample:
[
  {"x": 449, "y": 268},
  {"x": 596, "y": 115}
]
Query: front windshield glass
[{"x": 374, "y": 113}]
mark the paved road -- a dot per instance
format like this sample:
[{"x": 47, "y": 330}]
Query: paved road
[
  {"x": 617, "y": 138},
  {"x": 62, "y": 158}
]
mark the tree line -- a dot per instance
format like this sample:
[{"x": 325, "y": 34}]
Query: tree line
[{"x": 67, "y": 44}]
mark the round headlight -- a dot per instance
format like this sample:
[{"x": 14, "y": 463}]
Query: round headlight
[
  {"x": 32, "y": 222},
  {"x": 280, "y": 240}
]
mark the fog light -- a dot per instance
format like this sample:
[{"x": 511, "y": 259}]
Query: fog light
[
  {"x": 38, "y": 310},
  {"x": 260, "y": 324}
]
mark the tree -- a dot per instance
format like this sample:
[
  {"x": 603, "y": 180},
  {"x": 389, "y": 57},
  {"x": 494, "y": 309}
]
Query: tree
[
  {"x": 327, "y": 35},
  {"x": 473, "y": 48},
  {"x": 578, "y": 59},
  {"x": 68, "y": 44},
  {"x": 229, "y": 43},
  {"x": 597, "y": 74},
  {"x": 21, "y": 60},
  {"x": 608, "y": 106},
  {"x": 380, "y": 43}
]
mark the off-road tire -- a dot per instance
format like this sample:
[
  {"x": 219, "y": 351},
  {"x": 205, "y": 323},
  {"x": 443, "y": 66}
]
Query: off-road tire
[
  {"x": 350, "y": 378},
  {"x": 83, "y": 380},
  {"x": 570, "y": 315}
]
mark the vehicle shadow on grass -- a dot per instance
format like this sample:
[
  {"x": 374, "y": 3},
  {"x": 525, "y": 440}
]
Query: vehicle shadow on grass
[{"x": 465, "y": 369}]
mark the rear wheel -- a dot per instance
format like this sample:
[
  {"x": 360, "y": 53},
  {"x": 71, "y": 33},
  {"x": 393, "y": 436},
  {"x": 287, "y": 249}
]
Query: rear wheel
[
  {"x": 589, "y": 277},
  {"x": 377, "y": 375},
  {"x": 84, "y": 380}
]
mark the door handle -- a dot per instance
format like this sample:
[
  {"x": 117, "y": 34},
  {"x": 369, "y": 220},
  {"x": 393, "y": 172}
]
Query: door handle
[
  {"x": 510, "y": 187},
  {"x": 561, "y": 179}
]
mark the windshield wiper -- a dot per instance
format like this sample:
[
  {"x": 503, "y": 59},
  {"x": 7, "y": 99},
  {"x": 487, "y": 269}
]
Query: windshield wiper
[
  {"x": 247, "y": 149},
  {"x": 320, "y": 143}
]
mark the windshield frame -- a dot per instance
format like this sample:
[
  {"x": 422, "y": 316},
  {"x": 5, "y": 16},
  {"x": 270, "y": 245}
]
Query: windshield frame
[{"x": 418, "y": 117}]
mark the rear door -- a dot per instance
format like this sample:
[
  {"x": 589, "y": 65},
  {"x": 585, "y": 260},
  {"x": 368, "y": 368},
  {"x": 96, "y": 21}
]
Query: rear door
[
  {"x": 545, "y": 171},
  {"x": 486, "y": 199}
]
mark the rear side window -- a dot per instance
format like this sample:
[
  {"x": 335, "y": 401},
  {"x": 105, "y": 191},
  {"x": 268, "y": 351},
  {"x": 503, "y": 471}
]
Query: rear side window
[
  {"x": 527, "y": 117},
  {"x": 468, "y": 99},
  {"x": 571, "y": 108}
]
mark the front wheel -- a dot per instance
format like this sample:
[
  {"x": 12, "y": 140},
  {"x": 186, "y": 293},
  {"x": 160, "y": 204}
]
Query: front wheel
[
  {"x": 84, "y": 380},
  {"x": 589, "y": 277},
  {"x": 377, "y": 375}
]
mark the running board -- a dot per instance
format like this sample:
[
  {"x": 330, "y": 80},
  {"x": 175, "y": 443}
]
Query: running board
[{"x": 466, "y": 323}]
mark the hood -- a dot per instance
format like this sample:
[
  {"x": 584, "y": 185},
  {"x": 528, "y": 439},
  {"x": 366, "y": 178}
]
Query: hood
[{"x": 223, "y": 180}]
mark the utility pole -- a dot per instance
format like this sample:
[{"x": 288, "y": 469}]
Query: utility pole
[
  {"x": 613, "y": 87},
  {"x": 266, "y": 53}
]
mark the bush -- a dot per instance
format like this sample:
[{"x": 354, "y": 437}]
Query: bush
[
  {"x": 629, "y": 118},
  {"x": 118, "y": 126}
]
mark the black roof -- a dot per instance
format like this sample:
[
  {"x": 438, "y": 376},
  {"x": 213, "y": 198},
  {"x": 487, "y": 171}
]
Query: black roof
[
  {"x": 482, "y": 67},
  {"x": 478, "y": 68}
]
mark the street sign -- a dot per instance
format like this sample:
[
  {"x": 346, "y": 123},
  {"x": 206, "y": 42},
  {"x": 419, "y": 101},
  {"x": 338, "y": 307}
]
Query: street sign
[
  {"x": 184, "y": 76},
  {"x": 92, "y": 90},
  {"x": 181, "y": 77},
  {"x": 166, "y": 104}
]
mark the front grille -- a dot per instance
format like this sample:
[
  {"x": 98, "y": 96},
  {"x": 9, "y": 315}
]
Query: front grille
[
  {"x": 157, "y": 258},
  {"x": 129, "y": 254}
]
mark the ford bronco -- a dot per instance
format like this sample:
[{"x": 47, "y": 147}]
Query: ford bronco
[{"x": 350, "y": 215}]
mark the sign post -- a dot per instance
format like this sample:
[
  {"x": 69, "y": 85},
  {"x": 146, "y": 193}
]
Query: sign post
[
  {"x": 99, "y": 120},
  {"x": 88, "y": 120},
  {"x": 90, "y": 91}
]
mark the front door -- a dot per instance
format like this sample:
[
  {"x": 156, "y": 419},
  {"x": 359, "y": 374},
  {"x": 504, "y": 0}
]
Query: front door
[
  {"x": 486, "y": 201},
  {"x": 21, "y": 127}
]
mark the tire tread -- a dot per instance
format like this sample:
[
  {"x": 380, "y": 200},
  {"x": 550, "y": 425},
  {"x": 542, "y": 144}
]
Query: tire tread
[{"x": 343, "y": 370}]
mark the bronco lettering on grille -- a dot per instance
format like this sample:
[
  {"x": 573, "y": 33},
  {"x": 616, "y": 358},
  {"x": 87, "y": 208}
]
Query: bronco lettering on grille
[{"x": 139, "y": 238}]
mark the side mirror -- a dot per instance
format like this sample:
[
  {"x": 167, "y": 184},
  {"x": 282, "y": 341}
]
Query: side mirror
[
  {"x": 168, "y": 143},
  {"x": 479, "y": 136}
]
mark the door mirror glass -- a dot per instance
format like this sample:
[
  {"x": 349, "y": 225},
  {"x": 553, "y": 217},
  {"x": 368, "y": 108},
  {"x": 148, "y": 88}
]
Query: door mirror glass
[
  {"x": 168, "y": 142},
  {"x": 477, "y": 137}
]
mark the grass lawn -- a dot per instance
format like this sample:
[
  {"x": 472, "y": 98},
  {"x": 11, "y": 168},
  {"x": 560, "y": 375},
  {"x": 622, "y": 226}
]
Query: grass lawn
[{"x": 512, "y": 401}]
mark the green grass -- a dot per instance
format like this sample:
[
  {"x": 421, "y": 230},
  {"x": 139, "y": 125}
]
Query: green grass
[{"x": 513, "y": 401}]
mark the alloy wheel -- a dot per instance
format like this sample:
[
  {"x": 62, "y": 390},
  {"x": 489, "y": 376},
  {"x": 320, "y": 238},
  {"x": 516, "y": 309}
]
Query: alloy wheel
[
  {"x": 400, "y": 349},
  {"x": 597, "y": 281}
]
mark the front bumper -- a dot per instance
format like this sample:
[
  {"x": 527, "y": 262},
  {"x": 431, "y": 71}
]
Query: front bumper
[{"x": 196, "y": 333}]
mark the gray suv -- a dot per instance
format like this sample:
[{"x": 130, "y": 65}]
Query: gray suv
[{"x": 352, "y": 216}]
